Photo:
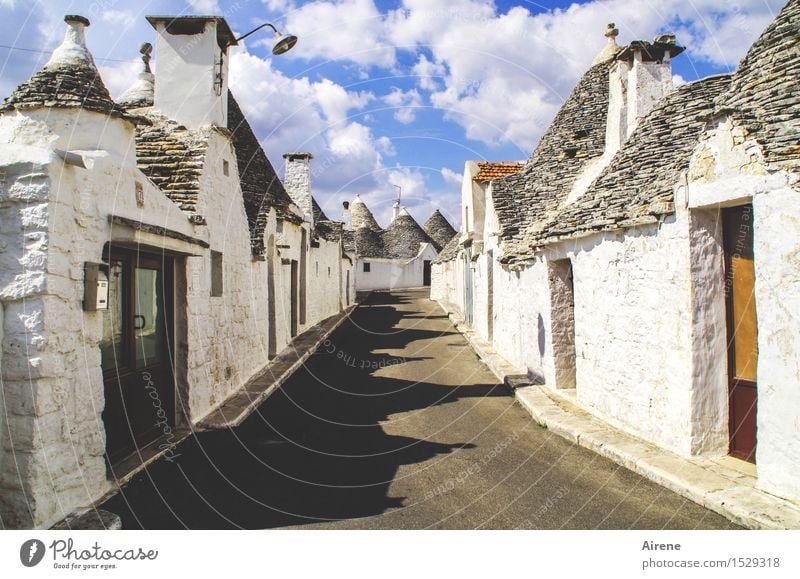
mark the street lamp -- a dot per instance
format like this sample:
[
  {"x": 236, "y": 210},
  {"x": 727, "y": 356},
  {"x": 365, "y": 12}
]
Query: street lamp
[{"x": 283, "y": 42}]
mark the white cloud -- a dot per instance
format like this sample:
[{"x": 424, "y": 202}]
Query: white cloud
[
  {"x": 118, "y": 77},
  {"x": 295, "y": 114},
  {"x": 346, "y": 30},
  {"x": 504, "y": 75},
  {"x": 386, "y": 147},
  {"x": 430, "y": 73},
  {"x": 406, "y": 103},
  {"x": 204, "y": 6},
  {"x": 451, "y": 177},
  {"x": 119, "y": 17}
]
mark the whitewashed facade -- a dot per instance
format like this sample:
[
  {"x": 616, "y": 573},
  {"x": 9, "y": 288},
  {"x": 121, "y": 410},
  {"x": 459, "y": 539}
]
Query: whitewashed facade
[
  {"x": 618, "y": 282},
  {"x": 400, "y": 256},
  {"x": 85, "y": 185}
]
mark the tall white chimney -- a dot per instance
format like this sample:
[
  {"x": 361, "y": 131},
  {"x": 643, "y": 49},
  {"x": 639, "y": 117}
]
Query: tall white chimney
[
  {"x": 297, "y": 181},
  {"x": 347, "y": 217},
  {"x": 639, "y": 78},
  {"x": 191, "y": 79},
  {"x": 395, "y": 210}
]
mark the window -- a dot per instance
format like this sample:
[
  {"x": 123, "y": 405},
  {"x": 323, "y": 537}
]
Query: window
[
  {"x": 329, "y": 271},
  {"x": 216, "y": 274},
  {"x": 279, "y": 226},
  {"x": 366, "y": 267},
  {"x": 316, "y": 265},
  {"x": 225, "y": 167}
]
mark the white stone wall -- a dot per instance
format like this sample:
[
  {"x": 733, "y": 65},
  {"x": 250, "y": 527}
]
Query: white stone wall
[
  {"x": 227, "y": 335},
  {"x": 728, "y": 170},
  {"x": 393, "y": 273},
  {"x": 185, "y": 72},
  {"x": 777, "y": 251},
  {"x": 632, "y": 330},
  {"x": 55, "y": 217},
  {"x": 324, "y": 263}
]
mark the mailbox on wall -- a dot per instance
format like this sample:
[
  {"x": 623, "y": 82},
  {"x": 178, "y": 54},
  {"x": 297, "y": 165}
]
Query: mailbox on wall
[{"x": 95, "y": 287}]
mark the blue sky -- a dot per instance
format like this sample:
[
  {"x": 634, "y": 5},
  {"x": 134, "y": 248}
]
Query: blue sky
[{"x": 397, "y": 92}]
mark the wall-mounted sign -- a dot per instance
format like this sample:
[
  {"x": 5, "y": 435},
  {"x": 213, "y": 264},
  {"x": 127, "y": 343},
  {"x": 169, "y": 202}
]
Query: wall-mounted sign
[{"x": 139, "y": 195}]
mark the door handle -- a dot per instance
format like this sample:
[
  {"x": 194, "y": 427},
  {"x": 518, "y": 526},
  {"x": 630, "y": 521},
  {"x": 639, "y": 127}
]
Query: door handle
[{"x": 136, "y": 320}]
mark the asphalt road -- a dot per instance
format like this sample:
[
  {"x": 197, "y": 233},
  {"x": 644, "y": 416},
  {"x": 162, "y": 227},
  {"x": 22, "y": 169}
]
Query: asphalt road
[{"x": 395, "y": 424}]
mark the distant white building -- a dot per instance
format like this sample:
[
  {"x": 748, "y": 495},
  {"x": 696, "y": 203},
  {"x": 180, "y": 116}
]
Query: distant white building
[
  {"x": 400, "y": 256},
  {"x": 644, "y": 259},
  {"x": 152, "y": 263}
]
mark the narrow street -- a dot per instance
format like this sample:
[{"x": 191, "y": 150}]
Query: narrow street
[{"x": 395, "y": 424}]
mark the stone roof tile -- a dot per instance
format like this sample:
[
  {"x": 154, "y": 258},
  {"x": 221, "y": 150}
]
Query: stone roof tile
[
  {"x": 638, "y": 185},
  {"x": 402, "y": 239},
  {"x": 261, "y": 187},
  {"x": 449, "y": 251},
  {"x": 576, "y": 136},
  {"x": 439, "y": 229},
  {"x": 763, "y": 96},
  {"x": 172, "y": 157}
]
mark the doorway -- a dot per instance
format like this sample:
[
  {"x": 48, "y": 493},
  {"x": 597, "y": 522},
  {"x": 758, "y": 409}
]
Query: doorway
[
  {"x": 740, "y": 305},
  {"x": 562, "y": 321},
  {"x": 272, "y": 331},
  {"x": 136, "y": 351},
  {"x": 490, "y": 296},
  {"x": 426, "y": 272},
  {"x": 303, "y": 272},
  {"x": 293, "y": 290},
  {"x": 468, "y": 285}
]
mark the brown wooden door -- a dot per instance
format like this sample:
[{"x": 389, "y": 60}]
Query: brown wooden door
[
  {"x": 742, "y": 330},
  {"x": 426, "y": 272},
  {"x": 136, "y": 352}
]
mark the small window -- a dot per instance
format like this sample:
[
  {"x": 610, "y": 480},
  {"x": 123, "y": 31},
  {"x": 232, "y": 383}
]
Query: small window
[
  {"x": 329, "y": 272},
  {"x": 279, "y": 226},
  {"x": 366, "y": 267},
  {"x": 316, "y": 264},
  {"x": 216, "y": 274},
  {"x": 225, "y": 168}
]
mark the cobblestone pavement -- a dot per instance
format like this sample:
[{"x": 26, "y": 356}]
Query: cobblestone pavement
[{"x": 395, "y": 424}]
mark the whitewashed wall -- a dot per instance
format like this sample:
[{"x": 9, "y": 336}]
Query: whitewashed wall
[
  {"x": 727, "y": 170},
  {"x": 55, "y": 217},
  {"x": 393, "y": 273},
  {"x": 324, "y": 263}
]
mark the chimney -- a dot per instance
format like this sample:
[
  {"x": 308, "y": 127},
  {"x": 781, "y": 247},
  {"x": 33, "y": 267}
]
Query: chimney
[
  {"x": 347, "y": 219},
  {"x": 297, "y": 182},
  {"x": 191, "y": 80},
  {"x": 638, "y": 79},
  {"x": 395, "y": 210},
  {"x": 73, "y": 49},
  {"x": 141, "y": 92}
]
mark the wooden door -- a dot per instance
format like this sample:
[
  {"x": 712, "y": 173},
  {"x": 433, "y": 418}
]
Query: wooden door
[
  {"x": 426, "y": 272},
  {"x": 742, "y": 330},
  {"x": 136, "y": 354}
]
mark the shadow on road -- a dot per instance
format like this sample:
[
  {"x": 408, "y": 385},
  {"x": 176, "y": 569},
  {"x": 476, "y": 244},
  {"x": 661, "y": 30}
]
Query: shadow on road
[{"x": 315, "y": 450}]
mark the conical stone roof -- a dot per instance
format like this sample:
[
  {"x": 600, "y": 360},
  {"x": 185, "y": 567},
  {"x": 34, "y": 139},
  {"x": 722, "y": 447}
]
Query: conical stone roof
[
  {"x": 362, "y": 216},
  {"x": 439, "y": 229},
  {"x": 141, "y": 93},
  {"x": 763, "y": 97},
  {"x": 403, "y": 237},
  {"x": 69, "y": 79}
]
